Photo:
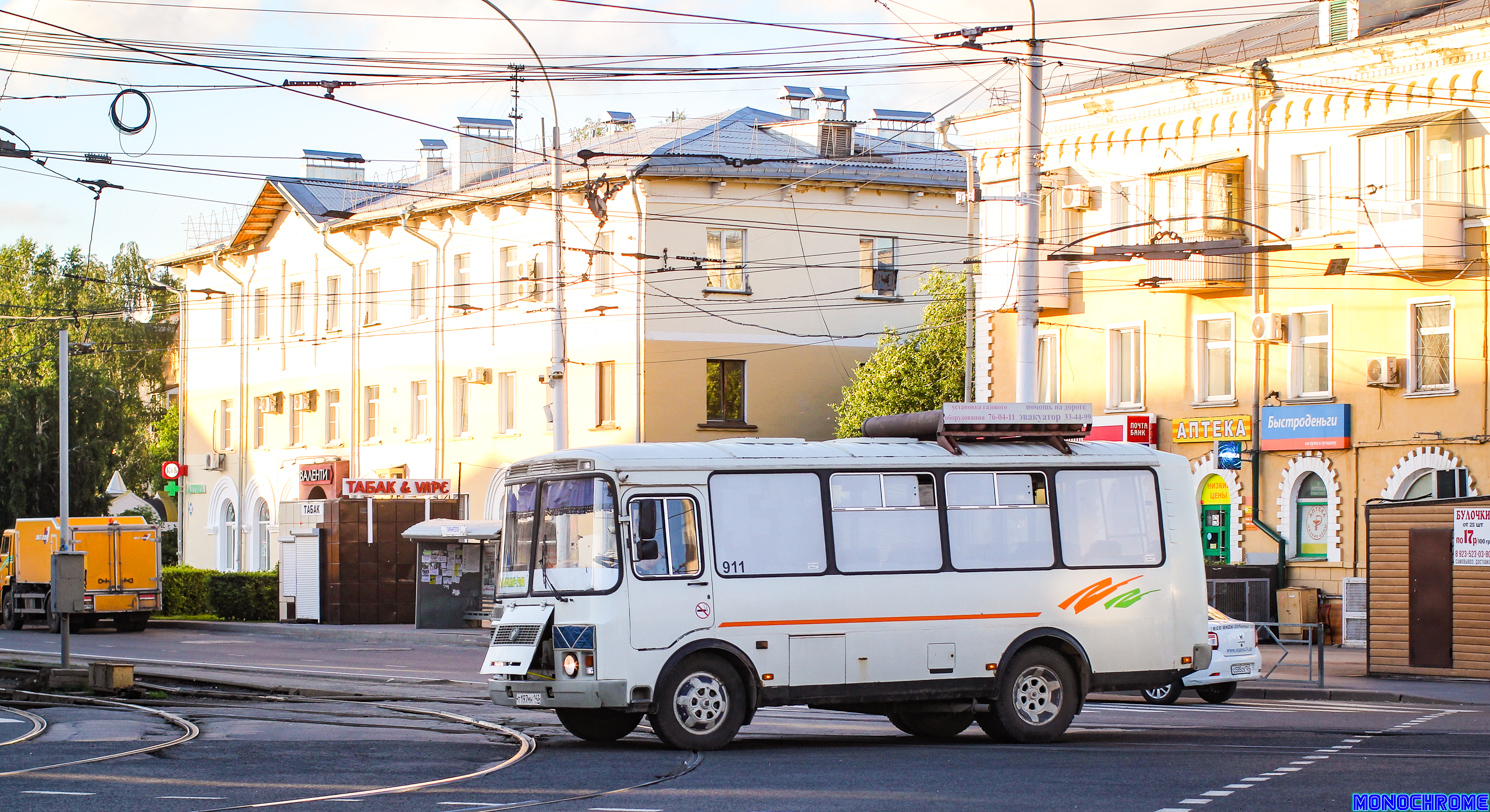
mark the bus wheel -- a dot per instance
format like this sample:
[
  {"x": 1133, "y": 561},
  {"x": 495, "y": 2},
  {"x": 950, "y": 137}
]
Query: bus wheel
[
  {"x": 1218, "y": 693},
  {"x": 930, "y": 725},
  {"x": 701, "y": 704},
  {"x": 1038, "y": 702},
  {"x": 990, "y": 724},
  {"x": 13, "y": 620},
  {"x": 1166, "y": 694},
  {"x": 598, "y": 724}
]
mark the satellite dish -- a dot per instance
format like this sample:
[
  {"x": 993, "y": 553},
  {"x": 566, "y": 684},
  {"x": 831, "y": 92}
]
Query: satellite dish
[{"x": 116, "y": 486}]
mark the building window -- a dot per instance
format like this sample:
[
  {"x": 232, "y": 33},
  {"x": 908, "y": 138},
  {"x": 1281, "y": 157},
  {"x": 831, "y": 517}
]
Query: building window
[
  {"x": 419, "y": 291},
  {"x": 333, "y": 417},
  {"x": 225, "y": 427},
  {"x": 877, "y": 273},
  {"x": 419, "y": 410},
  {"x": 1311, "y": 196},
  {"x": 1309, "y": 337},
  {"x": 1047, "y": 368},
  {"x": 297, "y": 424},
  {"x": 1432, "y": 363},
  {"x": 605, "y": 393},
  {"x": 297, "y": 308},
  {"x": 462, "y": 280},
  {"x": 1311, "y": 522},
  {"x": 1125, "y": 367},
  {"x": 460, "y": 409},
  {"x": 228, "y": 304},
  {"x": 600, "y": 261},
  {"x": 261, "y": 313},
  {"x": 370, "y": 404},
  {"x": 521, "y": 276},
  {"x": 261, "y": 535},
  {"x": 370, "y": 298},
  {"x": 1214, "y": 371},
  {"x": 506, "y": 416},
  {"x": 1191, "y": 201},
  {"x": 333, "y": 304},
  {"x": 726, "y": 259},
  {"x": 260, "y": 418},
  {"x": 1127, "y": 210},
  {"x": 508, "y": 274},
  {"x": 724, "y": 391}
]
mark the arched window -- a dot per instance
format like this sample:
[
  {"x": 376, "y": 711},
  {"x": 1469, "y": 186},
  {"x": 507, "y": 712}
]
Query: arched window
[
  {"x": 1311, "y": 518},
  {"x": 1421, "y": 487},
  {"x": 227, "y": 538},
  {"x": 261, "y": 534}
]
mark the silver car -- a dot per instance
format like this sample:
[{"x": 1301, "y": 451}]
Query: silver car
[{"x": 1234, "y": 658}]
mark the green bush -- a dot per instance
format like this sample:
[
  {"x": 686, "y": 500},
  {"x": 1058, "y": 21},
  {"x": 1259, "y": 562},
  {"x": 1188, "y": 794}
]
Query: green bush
[
  {"x": 244, "y": 595},
  {"x": 185, "y": 592}
]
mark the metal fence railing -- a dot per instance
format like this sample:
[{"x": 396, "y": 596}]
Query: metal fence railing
[{"x": 1306, "y": 651}]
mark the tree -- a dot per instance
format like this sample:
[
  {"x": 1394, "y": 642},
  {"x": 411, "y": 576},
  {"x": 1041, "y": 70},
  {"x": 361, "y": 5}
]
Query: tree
[
  {"x": 915, "y": 372},
  {"x": 125, "y": 320}
]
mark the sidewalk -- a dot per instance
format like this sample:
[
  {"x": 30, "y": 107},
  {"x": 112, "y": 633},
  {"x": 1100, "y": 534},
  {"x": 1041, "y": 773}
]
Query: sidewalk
[
  {"x": 364, "y": 633},
  {"x": 1345, "y": 679}
]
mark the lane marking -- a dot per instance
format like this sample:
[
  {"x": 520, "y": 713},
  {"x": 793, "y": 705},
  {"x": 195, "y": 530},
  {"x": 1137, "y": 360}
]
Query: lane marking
[
  {"x": 1216, "y": 793},
  {"x": 1289, "y": 769},
  {"x": 620, "y": 809},
  {"x": 191, "y": 797},
  {"x": 1239, "y": 786},
  {"x": 907, "y": 619},
  {"x": 1196, "y": 801},
  {"x": 1257, "y": 778},
  {"x": 53, "y": 792}
]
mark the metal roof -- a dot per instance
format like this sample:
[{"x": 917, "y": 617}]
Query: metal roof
[
  {"x": 499, "y": 123},
  {"x": 618, "y": 117},
  {"x": 345, "y": 157},
  {"x": 902, "y": 115},
  {"x": 796, "y": 92},
  {"x": 832, "y": 94},
  {"x": 432, "y": 143},
  {"x": 1411, "y": 123}
]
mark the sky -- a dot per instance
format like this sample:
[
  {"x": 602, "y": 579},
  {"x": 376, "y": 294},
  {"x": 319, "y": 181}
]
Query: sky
[{"x": 219, "y": 121}]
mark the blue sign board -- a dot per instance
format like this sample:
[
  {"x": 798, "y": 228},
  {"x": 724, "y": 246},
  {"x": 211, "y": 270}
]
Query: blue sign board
[
  {"x": 1229, "y": 455},
  {"x": 1299, "y": 428}
]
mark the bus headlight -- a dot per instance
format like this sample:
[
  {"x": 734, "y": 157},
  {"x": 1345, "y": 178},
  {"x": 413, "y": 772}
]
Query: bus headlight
[{"x": 571, "y": 664}]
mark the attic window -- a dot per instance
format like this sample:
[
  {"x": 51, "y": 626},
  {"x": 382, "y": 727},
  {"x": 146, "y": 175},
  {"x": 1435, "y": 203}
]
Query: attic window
[{"x": 835, "y": 141}]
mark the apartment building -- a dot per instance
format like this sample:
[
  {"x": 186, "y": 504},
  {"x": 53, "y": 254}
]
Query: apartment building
[
  {"x": 1352, "y": 363},
  {"x": 722, "y": 276}
]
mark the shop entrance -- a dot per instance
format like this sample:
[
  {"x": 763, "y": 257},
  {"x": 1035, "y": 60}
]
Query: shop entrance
[{"x": 1215, "y": 520}]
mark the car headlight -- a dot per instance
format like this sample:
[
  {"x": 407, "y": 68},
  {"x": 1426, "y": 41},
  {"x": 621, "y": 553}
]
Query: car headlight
[{"x": 571, "y": 664}]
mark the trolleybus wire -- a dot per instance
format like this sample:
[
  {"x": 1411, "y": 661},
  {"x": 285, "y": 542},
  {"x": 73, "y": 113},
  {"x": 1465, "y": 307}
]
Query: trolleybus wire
[
  {"x": 191, "y": 730},
  {"x": 38, "y": 724}
]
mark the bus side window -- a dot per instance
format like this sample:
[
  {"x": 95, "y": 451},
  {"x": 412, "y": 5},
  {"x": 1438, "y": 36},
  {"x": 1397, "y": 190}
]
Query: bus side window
[
  {"x": 666, "y": 537},
  {"x": 1109, "y": 518},
  {"x": 998, "y": 521}
]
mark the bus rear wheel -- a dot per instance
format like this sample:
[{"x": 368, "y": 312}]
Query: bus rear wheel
[
  {"x": 1036, "y": 703},
  {"x": 700, "y": 704},
  {"x": 598, "y": 724},
  {"x": 930, "y": 724}
]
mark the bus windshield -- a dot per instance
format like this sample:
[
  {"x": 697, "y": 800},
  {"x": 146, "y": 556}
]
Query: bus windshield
[{"x": 575, "y": 524}]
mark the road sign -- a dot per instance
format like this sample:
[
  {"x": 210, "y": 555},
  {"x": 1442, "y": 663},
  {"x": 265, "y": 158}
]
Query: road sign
[{"x": 172, "y": 470}]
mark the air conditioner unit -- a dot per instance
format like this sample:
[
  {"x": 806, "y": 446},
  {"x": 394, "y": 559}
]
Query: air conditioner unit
[
  {"x": 1382, "y": 372},
  {"x": 478, "y": 375},
  {"x": 1076, "y": 197},
  {"x": 214, "y": 461},
  {"x": 1269, "y": 327},
  {"x": 1451, "y": 483},
  {"x": 303, "y": 401},
  {"x": 272, "y": 404}
]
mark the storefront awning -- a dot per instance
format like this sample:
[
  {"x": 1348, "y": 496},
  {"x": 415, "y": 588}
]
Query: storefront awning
[
  {"x": 451, "y": 529},
  {"x": 1411, "y": 123}
]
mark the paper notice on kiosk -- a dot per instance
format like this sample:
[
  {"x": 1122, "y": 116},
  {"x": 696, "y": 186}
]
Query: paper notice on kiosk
[{"x": 1471, "y": 537}]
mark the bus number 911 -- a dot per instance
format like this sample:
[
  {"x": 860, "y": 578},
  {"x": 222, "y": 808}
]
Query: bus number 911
[{"x": 732, "y": 567}]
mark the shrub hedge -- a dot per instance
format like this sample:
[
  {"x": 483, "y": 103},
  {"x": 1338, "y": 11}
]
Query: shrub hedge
[{"x": 228, "y": 595}]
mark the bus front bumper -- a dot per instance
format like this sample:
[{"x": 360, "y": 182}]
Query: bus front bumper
[{"x": 605, "y": 693}]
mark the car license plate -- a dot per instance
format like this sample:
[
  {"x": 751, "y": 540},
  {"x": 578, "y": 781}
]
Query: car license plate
[
  {"x": 530, "y": 699},
  {"x": 1242, "y": 668}
]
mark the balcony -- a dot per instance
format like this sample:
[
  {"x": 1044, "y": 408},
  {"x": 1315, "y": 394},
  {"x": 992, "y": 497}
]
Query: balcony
[
  {"x": 1199, "y": 274},
  {"x": 1412, "y": 236}
]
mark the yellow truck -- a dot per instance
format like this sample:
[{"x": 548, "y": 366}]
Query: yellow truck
[{"x": 121, "y": 558}]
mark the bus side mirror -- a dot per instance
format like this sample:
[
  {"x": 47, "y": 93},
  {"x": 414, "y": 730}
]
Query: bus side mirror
[{"x": 644, "y": 515}]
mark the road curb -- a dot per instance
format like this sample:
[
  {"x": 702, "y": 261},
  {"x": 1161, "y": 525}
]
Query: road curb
[
  {"x": 1341, "y": 695},
  {"x": 353, "y": 634}
]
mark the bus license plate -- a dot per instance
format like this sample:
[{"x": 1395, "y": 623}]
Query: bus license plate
[
  {"x": 530, "y": 699},
  {"x": 1241, "y": 668}
]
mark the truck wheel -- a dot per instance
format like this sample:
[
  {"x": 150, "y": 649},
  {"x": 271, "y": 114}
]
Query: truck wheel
[
  {"x": 1037, "y": 703},
  {"x": 133, "y": 622},
  {"x": 598, "y": 724},
  {"x": 701, "y": 704},
  {"x": 12, "y": 619},
  {"x": 929, "y": 725},
  {"x": 1217, "y": 693}
]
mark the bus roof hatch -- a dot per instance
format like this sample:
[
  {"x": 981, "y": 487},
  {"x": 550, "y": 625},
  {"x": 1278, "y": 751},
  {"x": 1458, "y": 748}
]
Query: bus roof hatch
[{"x": 955, "y": 423}]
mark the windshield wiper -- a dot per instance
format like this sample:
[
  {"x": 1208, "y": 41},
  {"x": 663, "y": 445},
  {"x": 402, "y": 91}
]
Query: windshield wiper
[{"x": 543, "y": 563}]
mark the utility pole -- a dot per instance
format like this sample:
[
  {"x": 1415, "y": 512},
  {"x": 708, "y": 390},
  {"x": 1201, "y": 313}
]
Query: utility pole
[
  {"x": 1027, "y": 268},
  {"x": 556, "y": 262},
  {"x": 63, "y": 496}
]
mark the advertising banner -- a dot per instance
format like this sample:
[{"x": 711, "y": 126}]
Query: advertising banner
[
  {"x": 1303, "y": 428},
  {"x": 1471, "y": 537}
]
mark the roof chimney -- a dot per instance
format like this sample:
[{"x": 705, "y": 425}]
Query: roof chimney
[
  {"x": 796, "y": 98},
  {"x": 483, "y": 150},
  {"x": 619, "y": 121},
  {"x": 343, "y": 166},
  {"x": 832, "y": 103},
  {"x": 431, "y": 157}
]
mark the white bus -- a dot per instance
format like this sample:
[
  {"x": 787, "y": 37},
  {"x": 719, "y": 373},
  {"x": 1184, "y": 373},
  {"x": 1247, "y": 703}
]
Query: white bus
[{"x": 693, "y": 583}]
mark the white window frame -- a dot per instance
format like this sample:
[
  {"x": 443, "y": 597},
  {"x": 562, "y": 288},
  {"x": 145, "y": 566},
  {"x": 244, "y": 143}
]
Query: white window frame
[
  {"x": 1125, "y": 200},
  {"x": 297, "y": 426},
  {"x": 261, "y": 424},
  {"x": 460, "y": 407},
  {"x": 1052, "y": 340},
  {"x": 228, "y": 303},
  {"x": 333, "y": 304},
  {"x": 605, "y": 394},
  {"x": 260, "y": 313},
  {"x": 419, "y": 290},
  {"x": 1319, "y": 200},
  {"x": 333, "y": 417},
  {"x": 297, "y": 308},
  {"x": 1296, "y": 353},
  {"x": 506, "y": 403},
  {"x": 372, "y": 399},
  {"x": 226, "y": 409},
  {"x": 461, "y": 269},
  {"x": 1202, "y": 360},
  {"x": 1414, "y": 387},
  {"x": 370, "y": 291},
  {"x": 718, "y": 272},
  {"x": 1114, "y": 378},
  {"x": 418, "y": 410},
  {"x": 870, "y": 246},
  {"x": 601, "y": 265}
]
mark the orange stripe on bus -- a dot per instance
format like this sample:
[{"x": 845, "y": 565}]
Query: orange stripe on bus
[{"x": 823, "y": 621}]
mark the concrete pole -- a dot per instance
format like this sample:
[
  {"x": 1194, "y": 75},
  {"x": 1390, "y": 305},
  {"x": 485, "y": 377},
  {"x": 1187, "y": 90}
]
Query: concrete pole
[
  {"x": 556, "y": 268},
  {"x": 63, "y": 495},
  {"x": 1027, "y": 305},
  {"x": 970, "y": 291}
]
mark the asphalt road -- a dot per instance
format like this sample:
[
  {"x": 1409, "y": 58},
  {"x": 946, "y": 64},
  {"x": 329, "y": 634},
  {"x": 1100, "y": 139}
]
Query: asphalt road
[{"x": 1119, "y": 755}]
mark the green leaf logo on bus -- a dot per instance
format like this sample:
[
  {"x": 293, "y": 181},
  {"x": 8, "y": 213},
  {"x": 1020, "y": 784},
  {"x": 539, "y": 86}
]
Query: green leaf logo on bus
[{"x": 1089, "y": 595}]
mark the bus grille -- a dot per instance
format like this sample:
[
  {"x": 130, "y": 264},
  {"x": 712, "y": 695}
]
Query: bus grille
[
  {"x": 543, "y": 468},
  {"x": 516, "y": 634}
]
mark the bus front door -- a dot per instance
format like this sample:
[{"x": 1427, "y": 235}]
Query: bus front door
[{"x": 669, "y": 591}]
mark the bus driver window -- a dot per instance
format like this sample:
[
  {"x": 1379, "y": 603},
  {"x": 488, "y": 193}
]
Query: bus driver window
[{"x": 666, "y": 533}]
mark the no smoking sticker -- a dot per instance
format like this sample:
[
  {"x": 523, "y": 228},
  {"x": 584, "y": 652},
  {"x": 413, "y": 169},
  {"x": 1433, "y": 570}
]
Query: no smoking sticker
[{"x": 702, "y": 610}]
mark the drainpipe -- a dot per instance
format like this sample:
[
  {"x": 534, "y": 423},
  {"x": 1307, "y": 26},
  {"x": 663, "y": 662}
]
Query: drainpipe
[
  {"x": 439, "y": 335},
  {"x": 241, "y": 428},
  {"x": 1261, "y": 72},
  {"x": 970, "y": 306},
  {"x": 354, "y": 398}
]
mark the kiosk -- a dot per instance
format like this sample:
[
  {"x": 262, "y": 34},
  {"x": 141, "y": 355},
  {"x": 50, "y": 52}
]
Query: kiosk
[{"x": 455, "y": 583}]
